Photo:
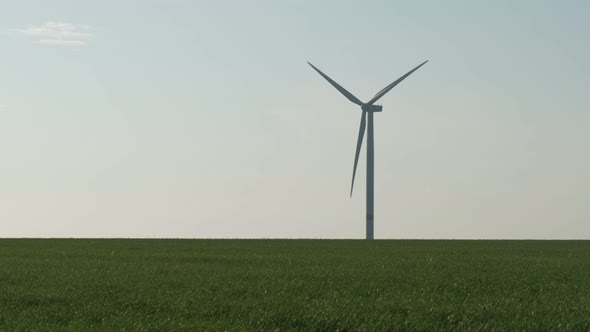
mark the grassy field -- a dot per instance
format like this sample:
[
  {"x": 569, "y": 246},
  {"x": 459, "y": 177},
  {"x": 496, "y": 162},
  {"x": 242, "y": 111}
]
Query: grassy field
[{"x": 294, "y": 284}]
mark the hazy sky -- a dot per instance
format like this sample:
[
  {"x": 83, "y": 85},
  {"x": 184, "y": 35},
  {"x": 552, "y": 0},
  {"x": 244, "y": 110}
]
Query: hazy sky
[{"x": 202, "y": 118}]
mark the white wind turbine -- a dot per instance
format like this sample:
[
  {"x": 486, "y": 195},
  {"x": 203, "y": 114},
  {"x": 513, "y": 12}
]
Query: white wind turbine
[{"x": 367, "y": 108}]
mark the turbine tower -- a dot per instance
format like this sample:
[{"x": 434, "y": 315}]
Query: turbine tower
[{"x": 368, "y": 109}]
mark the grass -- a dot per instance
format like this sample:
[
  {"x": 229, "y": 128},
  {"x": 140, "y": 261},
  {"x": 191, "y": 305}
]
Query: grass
[{"x": 294, "y": 285}]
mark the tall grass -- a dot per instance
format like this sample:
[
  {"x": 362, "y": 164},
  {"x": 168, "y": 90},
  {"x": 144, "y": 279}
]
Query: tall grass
[{"x": 294, "y": 285}]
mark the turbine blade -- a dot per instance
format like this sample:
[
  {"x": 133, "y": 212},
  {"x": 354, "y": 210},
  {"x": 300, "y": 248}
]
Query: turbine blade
[
  {"x": 342, "y": 90},
  {"x": 390, "y": 86},
  {"x": 359, "y": 143}
]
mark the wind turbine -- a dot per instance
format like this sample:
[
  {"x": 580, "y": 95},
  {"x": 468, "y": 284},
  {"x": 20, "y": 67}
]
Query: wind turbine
[{"x": 368, "y": 109}]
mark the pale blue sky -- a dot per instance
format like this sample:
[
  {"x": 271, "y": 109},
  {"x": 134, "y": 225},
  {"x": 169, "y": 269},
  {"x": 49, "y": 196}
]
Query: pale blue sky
[{"x": 202, "y": 118}]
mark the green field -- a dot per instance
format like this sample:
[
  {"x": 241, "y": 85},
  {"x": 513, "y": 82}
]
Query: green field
[{"x": 294, "y": 285}]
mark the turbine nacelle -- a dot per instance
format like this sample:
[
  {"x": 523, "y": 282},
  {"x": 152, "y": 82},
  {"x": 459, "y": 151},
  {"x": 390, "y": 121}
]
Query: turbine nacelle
[{"x": 371, "y": 108}]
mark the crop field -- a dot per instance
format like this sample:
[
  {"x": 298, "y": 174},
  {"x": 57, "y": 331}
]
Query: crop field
[{"x": 270, "y": 285}]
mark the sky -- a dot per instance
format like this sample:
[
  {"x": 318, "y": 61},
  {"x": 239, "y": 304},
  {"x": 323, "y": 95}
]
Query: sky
[{"x": 202, "y": 119}]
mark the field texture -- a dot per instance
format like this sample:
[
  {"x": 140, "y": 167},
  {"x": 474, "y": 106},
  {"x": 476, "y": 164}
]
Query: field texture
[{"x": 294, "y": 285}]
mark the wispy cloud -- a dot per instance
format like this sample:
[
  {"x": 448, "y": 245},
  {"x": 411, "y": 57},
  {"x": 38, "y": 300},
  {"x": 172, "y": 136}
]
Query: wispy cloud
[
  {"x": 61, "y": 42},
  {"x": 58, "y": 33}
]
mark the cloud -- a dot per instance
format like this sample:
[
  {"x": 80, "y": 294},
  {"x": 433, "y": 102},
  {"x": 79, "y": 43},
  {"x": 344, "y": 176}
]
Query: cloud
[
  {"x": 58, "y": 33},
  {"x": 61, "y": 42}
]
